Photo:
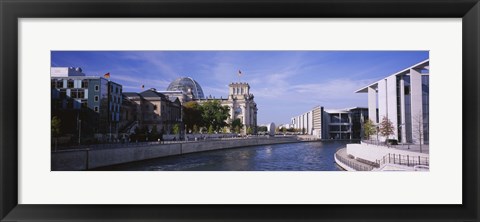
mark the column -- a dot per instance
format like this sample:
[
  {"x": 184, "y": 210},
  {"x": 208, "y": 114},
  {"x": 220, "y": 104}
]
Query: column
[
  {"x": 372, "y": 104},
  {"x": 402, "y": 111},
  {"x": 382, "y": 99},
  {"x": 416, "y": 102},
  {"x": 392, "y": 104},
  {"x": 232, "y": 112},
  {"x": 244, "y": 115}
]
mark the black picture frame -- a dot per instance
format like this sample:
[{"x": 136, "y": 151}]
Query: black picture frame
[{"x": 11, "y": 11}]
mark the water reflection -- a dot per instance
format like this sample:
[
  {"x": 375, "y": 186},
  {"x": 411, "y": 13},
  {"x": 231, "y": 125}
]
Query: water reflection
[{"x": 311, "y": 156}]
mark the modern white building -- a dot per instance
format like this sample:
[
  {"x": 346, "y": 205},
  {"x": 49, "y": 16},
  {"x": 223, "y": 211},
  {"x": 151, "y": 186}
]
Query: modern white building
[
  {"x": 310, "y": 123},
  {"x": 339, "y": 124},
  {"x": 304, "y": 122},
  {"x": 403, "y": 98},
  {"x": 344, "y": 124}
]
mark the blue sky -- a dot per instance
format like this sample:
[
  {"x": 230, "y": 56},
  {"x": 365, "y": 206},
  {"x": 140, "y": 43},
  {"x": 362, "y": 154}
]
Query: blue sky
[{"x": 285, "y": 83}]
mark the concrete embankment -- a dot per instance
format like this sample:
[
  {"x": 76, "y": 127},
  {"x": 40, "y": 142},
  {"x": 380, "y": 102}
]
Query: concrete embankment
[
  {"x": 88, "y": 159},
  {"x": 348, "y": 163}
]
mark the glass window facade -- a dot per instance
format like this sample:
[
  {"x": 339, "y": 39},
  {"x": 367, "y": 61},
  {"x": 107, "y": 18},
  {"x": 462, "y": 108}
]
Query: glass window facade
[
  {"x": 187, "y": 85},
  {"x": 425, "y": 107}
]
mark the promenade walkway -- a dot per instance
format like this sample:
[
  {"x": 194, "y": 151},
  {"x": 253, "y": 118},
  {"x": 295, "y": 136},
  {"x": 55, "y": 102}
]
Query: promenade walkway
[
  {"x": 156, "y": 143},
  {"x": 424, "y": 148}
]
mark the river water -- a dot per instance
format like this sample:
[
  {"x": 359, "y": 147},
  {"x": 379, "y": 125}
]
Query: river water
[{"x": 305, "y": 156}]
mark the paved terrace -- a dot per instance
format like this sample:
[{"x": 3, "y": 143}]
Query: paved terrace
[{"x": 424, "y": 148}]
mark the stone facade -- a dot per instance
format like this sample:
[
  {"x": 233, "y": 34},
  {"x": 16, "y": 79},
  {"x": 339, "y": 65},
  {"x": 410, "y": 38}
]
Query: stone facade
[
  {"x": 152, "y": 109},
  {"x": 241, "y": 104}
]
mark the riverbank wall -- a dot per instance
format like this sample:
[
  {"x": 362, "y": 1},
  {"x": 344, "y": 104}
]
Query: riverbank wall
[{"x": 84, "y": 159}]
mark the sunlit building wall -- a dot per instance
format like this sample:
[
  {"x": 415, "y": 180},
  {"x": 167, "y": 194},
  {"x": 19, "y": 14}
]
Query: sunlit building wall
[{"x": 403, "y": 98}]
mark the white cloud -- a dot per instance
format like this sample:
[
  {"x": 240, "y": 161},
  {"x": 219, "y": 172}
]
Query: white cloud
[{"x": 155, "y": 62}]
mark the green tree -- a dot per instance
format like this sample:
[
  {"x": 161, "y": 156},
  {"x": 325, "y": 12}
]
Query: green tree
[
  {"x": 176, "y": 129},
  {"x": 214, "y": 114},
  {"x": 210, "y": 129},
  {"x": 195, "y": 128},
  {"x": 386, "y": 127},
  {"x": 192, "y": 115},
  {"x": 224, "y": 129},
  {"x": 284, "y": 130},
  {"x": 249, "y": 131},
  {"x": 369, "y": 129},
  {"x": 262, "y": 129},
  {"x": 236, "y": 125},
  {"x": 56, "y": 125}
]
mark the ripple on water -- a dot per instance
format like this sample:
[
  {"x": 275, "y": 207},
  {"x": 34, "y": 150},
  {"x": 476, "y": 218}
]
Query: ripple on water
[{"x": 311, "y": 156}]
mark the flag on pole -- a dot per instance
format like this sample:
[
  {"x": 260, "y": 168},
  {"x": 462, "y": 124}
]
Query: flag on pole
[
  {"x": 239, "y": 73},
  {"x": 107, "y": 75}
]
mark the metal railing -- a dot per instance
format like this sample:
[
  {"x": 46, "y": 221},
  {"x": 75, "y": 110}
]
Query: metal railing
[
  {"x": 353, "y": 164},
  {"x": 155, "y": 143},
  {"x": 405, "y": 160}
]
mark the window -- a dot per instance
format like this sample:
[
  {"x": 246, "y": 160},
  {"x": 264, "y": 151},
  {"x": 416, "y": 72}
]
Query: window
[
  {"x": 97, "y": 87},
  {"x": 73, "y": 93},
  {"x": 345, "y": 128},
  {"x": 53, "y": 83},
  {"x": 70, "y": 83},
  {"x": 85, "y": 84},
  {"x": 95, "y": 108},
  {"x": 334, "y": 128},
  {"x": 95, "y": 99},
  {"x": 154, "y": 107},
  {"x": 77, "y": 94},
  {"x": 59, "y": 83},
  {"x": 116, "y": 90},
  {"x": 334, "y": 118},
  {"x": 63, "y": 94}
]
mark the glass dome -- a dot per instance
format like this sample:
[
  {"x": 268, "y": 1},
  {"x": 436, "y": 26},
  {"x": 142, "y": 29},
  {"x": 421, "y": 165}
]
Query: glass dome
[{"x": 187, "y": 84}]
